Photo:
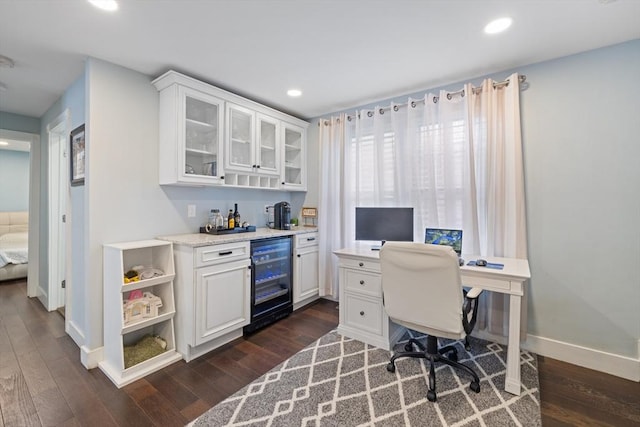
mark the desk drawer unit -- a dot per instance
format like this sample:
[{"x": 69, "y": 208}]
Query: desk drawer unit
[
  {"x": 363, "y": 313},
  {"x": 360, "y": 264},
  {"x": 362, "y": 282}
]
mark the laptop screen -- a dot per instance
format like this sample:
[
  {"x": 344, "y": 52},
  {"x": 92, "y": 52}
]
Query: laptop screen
[{"x": 439, "y": 236}]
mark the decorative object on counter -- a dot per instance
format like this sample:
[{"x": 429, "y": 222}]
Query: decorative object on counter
[
  {"x": 244, "y": 229},
  {"x": 137, "y": 307},
  {"x": 294, "y": 222},
  {"x": 231, "y": 222},
  {"x": 149, "y": 346},
  {"x": 236, "y": 217},
  {"x": 310, "y": 214}
]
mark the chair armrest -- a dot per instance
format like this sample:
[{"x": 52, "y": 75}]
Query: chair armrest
[
  {"x": 470, "y": 305},
  {"x": 472, "y": 293}
]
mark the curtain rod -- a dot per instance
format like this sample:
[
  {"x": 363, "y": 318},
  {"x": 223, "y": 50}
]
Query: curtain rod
[{"x": 521, "y": 78}]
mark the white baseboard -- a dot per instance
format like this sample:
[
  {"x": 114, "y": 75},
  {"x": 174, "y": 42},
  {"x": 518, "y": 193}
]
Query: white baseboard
[
  {"x": 91, "y": 358},
  {"x": 614, "y": 364},
  {"x": 75, "y": 333}
]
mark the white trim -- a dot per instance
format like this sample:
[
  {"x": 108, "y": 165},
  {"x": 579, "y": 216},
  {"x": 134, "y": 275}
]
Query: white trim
[
  {"x": 614, "y": 364},
  {"x": 91, "y": 358},
  {"x": 74, "y": 332},
  {"x": 609, "y": 363},
  {"x": 58, "y": 199}
]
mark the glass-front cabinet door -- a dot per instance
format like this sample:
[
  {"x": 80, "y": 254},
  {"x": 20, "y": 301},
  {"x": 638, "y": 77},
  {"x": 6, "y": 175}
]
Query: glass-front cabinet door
[
  {"x": 240, "y": 138},
  {"x": 268, "y": 152},
  {"x": 294, "y": 168},
  {"x": 201, "y": 136}
]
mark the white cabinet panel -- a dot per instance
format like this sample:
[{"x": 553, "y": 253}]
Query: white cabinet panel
[{"x": 222, "y": 303}]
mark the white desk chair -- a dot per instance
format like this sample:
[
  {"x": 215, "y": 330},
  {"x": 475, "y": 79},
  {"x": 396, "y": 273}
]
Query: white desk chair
[{"x": 422, "y": 291}]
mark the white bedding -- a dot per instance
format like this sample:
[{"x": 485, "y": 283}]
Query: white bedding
[{"x": 13, "y": 248}]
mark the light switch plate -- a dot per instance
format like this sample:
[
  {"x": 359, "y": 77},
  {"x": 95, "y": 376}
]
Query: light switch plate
[{"x": 191, "y": 211}]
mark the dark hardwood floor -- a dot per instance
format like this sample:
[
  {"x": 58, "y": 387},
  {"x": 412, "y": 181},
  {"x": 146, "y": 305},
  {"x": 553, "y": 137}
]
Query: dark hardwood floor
[{"x": 42, "y": 381}]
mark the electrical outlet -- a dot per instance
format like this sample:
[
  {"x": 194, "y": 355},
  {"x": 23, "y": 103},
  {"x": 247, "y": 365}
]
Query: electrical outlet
[
  {"x": 191, "y": 211},
  {"x": 266, "y": 209}
]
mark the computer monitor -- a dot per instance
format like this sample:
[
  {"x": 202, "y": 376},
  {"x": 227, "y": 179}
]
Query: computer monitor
[
  {"x": 384, "y": 224},
  {"x": 440, "y": 236}
]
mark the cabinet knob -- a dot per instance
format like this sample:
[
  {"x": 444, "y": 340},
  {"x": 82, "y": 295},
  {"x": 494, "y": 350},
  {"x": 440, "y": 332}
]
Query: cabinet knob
[
  {"x": 253, "y": 166},
  {"x": 298, "y": 255},
  {"x": 361, "y": 264},
  {"x": 222, "y": 177},
  {"x": 362, "y": 313},
  {"x": 362, "y": 282},
  {"x": 257, "y": 166},
  {"x": 282, "y": 182}
]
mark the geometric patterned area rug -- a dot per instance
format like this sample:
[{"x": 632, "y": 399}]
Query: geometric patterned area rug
[{"x": 338, "y": 381}]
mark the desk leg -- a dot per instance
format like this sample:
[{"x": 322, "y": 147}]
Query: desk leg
[{"x": 512, "y": 380}]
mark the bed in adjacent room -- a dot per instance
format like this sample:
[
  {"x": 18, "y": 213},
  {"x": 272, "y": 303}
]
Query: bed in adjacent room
[{"x": 14, "y": 243}]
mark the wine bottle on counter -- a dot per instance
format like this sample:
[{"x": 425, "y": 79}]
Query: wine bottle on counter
[
  {"x": 231, "y": 222},
  {"x": 236, "y": 217}
]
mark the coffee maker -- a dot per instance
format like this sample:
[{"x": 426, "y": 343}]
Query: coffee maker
[{"x": 282, "y": 216}]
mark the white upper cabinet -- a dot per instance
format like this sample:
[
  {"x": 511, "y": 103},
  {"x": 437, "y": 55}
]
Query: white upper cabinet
[
  {"x": 240, "y": 138},
  {"x": 190, "y": 137},
  {"x": 294, "y": 170},
  {"x": 209, "y": 136},
  {"x": 268, "y": 145}
]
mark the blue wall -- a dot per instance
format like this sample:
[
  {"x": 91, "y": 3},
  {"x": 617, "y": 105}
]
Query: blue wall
[
  {"x": 14, "y": 176},
  {"x": 19, "y": 123}
]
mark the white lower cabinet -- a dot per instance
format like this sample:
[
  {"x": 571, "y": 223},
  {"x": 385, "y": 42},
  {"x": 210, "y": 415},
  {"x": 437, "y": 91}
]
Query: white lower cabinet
[
  {"x": 141, "y": 309},
  {"x": 223, "y": 297},
  {"x": 305, "y": 269},
  {"x": 213, "y": 293}
]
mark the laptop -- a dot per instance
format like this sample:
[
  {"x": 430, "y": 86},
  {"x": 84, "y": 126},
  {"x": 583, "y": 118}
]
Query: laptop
[{"x": 441, "y": 236}]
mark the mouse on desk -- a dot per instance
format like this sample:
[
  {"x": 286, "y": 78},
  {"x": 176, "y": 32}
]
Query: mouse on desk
[{"x": 481, "y": 262}]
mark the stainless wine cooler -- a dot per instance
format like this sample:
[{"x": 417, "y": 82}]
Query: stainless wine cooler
[{"x": 271, "y": 281}]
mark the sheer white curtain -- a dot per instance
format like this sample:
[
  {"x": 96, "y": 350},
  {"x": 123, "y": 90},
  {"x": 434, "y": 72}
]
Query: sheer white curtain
[
  {"x": 333, "y": 234},
  {"x": 456, "y": 158}
]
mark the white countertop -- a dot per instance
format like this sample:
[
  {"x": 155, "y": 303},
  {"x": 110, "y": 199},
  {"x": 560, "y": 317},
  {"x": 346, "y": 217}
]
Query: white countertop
[{"x": 202, "y": 239}]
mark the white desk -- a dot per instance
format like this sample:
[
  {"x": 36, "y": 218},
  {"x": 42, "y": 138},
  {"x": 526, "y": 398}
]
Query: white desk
[{"x": 362, "y": 315}]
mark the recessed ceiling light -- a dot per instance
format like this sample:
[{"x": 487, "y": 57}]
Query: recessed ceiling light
[
  {"x": 109, "y": 5},
  {"x": 294, "y": 93},
  {"x": 497, "y": 25}
]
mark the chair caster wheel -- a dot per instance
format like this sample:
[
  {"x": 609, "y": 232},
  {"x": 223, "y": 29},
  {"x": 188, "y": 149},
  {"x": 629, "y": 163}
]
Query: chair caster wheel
[
  {"x": 474, "y": 386},
  {"x": 408, "y": 347},
  {"x": 431, "y": 396},
  {"x": 391, "y": 367}
]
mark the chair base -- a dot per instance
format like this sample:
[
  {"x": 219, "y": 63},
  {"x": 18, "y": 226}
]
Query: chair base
[{"x": 435, "y": 355}]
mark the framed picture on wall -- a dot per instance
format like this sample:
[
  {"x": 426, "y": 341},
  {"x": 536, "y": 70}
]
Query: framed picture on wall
[{"x": 77, "y": 156}]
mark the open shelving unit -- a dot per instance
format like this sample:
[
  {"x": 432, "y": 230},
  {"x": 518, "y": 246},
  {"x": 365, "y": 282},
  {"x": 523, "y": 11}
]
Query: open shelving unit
[{"x": 118, "y": 259}]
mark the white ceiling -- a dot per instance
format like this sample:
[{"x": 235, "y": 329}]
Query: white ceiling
[{"x": 340, "y": 53}]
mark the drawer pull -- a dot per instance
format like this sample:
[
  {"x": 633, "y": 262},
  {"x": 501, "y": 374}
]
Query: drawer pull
[
  {"x": 225, "y": 253},
  {"x": 362, "y": 282},
  {"x": 361, "y": 264},
  {"x": 310, "y": 239},
  {"x": 362, "y": 313}
]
